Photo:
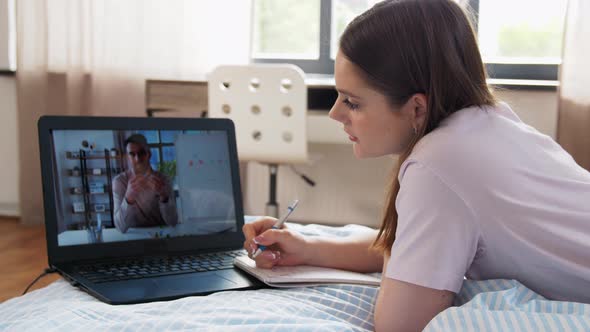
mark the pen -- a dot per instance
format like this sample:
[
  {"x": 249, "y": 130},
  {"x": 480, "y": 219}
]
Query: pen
[{"x": 278, "y": 225}]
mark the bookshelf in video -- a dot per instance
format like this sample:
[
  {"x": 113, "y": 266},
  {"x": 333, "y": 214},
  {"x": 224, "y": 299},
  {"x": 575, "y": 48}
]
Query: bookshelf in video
[{"x": 92, "y": 190}]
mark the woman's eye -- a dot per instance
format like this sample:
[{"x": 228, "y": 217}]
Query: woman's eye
[{"x": 350, "y": 105}]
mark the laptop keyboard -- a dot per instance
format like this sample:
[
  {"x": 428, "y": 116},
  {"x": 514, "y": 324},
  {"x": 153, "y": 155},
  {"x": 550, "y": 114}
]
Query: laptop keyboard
[{"x": 158, "y": 266}]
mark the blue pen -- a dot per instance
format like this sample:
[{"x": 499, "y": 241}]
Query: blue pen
[{"x": 277, "y": 225}]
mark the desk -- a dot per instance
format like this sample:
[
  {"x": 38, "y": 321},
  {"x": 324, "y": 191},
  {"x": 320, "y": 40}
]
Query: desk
[{"x": 189, "y": 99}]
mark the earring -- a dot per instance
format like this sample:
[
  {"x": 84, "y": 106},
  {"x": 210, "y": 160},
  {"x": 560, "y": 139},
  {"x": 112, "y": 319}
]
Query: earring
[{"x": 415, "y": 130}]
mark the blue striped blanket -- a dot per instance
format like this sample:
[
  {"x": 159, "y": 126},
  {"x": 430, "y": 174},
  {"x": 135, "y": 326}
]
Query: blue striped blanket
[
  {"x": 507, "y": 305},
  {"x": 492, "y": 305}
]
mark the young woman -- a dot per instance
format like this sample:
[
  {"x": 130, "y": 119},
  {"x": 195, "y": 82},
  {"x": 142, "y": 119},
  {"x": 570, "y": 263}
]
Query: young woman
[{"x": 477, "y": 192}]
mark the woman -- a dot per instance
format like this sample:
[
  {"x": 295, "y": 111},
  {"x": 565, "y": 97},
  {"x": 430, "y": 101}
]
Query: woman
[{"x": 477, "y": 192}]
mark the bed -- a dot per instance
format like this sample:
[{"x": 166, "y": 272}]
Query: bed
[{"x": 491, "y": 305}]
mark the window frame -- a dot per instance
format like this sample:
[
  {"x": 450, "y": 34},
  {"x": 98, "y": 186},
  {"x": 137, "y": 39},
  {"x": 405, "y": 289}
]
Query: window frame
[
  {"x": 324, "y": 64},
  {"x": 499, "y": 71},
  {"x": 159, "y": 146}
]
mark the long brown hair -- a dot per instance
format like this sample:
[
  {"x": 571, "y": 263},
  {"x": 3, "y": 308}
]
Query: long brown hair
[{"x": 404, "y": 47}]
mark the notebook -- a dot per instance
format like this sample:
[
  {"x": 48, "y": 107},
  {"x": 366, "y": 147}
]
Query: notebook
[
  {"x": 177, "y": 235},
  {"x": 303, "y": 275}
]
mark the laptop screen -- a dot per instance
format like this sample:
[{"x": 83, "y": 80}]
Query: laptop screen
[{"x": 125, "y": 185}]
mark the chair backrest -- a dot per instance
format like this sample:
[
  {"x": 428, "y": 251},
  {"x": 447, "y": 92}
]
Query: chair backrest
[{"x": 268, "y": 104}]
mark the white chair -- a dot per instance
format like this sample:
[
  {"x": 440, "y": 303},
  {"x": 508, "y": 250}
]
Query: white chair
[{"x": 268, "y": 104}]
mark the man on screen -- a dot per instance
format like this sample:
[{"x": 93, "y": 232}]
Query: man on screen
[{"x": 142, "y": 196}]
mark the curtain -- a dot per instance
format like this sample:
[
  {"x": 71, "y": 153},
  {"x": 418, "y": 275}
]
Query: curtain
[
  {"x": 92, "y": 57},
  {"x": 573, "y": 129}
]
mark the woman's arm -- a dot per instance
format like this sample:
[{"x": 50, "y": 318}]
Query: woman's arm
[
  {"x": 351, "y": 253},
  {"x": 403, "y": 306}
]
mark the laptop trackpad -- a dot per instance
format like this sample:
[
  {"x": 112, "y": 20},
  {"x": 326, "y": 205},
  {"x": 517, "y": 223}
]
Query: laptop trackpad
[
  {"x": 187, "y": 284},
  {"x": 168, "y": 287}
]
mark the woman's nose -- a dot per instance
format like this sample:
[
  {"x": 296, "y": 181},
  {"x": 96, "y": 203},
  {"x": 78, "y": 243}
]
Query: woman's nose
[{"x": 335, "y": 114}]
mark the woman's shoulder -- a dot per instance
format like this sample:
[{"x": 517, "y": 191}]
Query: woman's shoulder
[
  {"x": 469, "y": 139},
  {"x": 466, "y": 127}
]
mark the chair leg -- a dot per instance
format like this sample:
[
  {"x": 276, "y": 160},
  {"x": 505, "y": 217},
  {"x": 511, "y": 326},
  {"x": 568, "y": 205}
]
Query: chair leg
[{"x": 272, "y": 206}]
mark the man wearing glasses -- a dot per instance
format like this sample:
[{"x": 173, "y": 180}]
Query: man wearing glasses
[{"x": 142, "y": 196}]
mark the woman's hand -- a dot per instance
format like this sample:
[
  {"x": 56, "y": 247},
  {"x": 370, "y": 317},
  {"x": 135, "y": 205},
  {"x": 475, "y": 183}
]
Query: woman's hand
[{"x": 284, "y": 246}]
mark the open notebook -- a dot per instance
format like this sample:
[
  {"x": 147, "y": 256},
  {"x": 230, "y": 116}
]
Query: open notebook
[{"x": 303, "y": 275}]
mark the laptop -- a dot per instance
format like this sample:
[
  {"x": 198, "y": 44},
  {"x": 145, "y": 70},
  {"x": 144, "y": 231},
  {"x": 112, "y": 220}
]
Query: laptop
[{"x": 143, "y": 209}]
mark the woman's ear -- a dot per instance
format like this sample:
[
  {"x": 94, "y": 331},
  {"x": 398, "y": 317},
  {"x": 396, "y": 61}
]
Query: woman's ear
[{"x": 419, "y": 103}]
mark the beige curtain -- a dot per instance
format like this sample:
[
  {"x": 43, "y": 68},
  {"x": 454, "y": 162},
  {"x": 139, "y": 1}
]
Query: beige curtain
[
  {"x": 573, "y": 130},
  {"x": 92, "y": 57}
]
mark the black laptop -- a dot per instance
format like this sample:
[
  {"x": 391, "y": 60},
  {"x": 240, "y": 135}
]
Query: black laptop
[{"x": 143, "y": 209}]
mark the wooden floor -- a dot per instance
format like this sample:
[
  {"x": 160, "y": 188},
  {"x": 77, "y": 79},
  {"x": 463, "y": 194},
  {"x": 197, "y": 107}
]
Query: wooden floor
[{"x": 23, "y": 256}]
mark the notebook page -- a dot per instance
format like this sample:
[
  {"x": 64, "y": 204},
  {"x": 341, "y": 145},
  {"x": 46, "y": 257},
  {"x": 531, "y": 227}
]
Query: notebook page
[{"x": 302, "y": 274}]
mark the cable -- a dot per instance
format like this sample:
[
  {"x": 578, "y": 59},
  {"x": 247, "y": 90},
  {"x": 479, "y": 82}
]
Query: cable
[{"x": 46, "y": 272}]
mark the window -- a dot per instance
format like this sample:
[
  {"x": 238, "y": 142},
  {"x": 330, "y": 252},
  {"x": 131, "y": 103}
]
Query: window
[
  {"x": 168, "y": 136},
  {"x": 287, "y": 29},
  {"x": 523, "y": 42},
  {"x": 519, "y": 39},
  {"x": 521, "y": 34},
  {"x": 343, "y": 11},
  {"x": 293, "y": 30},
  {"x": 161, "y": 144},
  {"x": 155, "y": 158}
]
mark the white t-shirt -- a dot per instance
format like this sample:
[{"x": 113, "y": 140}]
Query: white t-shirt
[{"x": 486, "y": 196}]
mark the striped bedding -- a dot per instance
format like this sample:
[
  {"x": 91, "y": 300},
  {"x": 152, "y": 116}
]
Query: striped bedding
[
  {"x": 492, "y": 305},
  {"x": 507, "y": 305}
]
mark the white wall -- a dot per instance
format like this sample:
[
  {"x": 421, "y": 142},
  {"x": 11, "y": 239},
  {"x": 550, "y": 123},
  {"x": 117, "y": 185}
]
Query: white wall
[
  {"x": 537, "y": 108},
  {"x": 9, "y": 171}
]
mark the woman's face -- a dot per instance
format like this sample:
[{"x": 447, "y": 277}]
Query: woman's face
[{"x": 375, "y": 126}]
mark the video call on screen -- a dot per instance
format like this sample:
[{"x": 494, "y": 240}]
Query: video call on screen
[{"x": 116, "y": 185}]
